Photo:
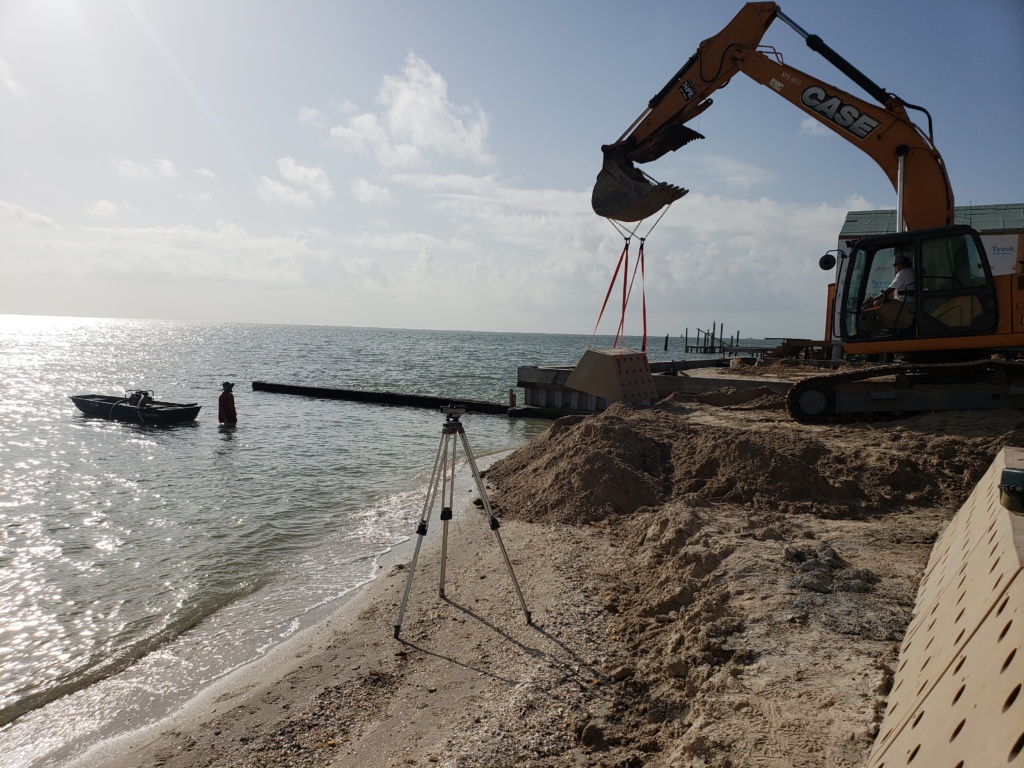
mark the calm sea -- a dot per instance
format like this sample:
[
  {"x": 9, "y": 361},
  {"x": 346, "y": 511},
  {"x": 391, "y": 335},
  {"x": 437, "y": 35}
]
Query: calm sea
[{"x": 139, "y": 564}]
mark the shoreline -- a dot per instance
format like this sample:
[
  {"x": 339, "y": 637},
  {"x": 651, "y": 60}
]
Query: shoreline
[{"x": 279, "y": 660}]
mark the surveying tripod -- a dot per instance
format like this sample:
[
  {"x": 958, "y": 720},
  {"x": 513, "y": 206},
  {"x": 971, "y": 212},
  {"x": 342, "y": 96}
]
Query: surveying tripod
[{"x": 443, "y": 479}]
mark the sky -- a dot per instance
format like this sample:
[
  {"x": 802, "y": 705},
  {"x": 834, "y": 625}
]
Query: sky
[{"x": 410, "y": 164}]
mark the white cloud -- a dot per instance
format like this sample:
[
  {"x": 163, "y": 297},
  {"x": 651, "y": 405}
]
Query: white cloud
[
  {"x": 409, "y": 242},
  {"x": 461, "y": 183},
  {"x": 104, "y": 209},
  {"x": 418, "y": 121},
  {"x": 813, "y": 127},
  {"x": 271, "y": 191},
  {"x": 312, "y": 116},
  {"x": 365, "y": 192},
  {"x": 204, "y": 199},
  {"x": 12, "y": 85},
  {"x": 181, "y": 255},
  {"x": 166, "y": 169},
  {"x": 747, "y": 257},
  {"x": 206, "y": 173},
  {"x": 314, "y": 179},
  {"x": 362, "y": 133},
  {"x": 16, "y": 215},
  {"x": 536, "y": 258},
  {"x": 133, "y": 170},
  {"x": 735, "y": 173}
]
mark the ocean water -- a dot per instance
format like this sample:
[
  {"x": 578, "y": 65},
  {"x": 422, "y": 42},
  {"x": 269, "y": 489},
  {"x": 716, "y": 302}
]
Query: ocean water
[{"x": 139, "y": 564}]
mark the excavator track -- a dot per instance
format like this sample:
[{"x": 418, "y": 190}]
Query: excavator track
[{"x": 892, "y": 391}]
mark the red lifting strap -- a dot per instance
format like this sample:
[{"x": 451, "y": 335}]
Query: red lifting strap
[
  {"x": 625, "y": 300},
  {"x": 623, "y": 256},
  {"x": 643, "y": 294},
  {"x": 627, "y": 289}
]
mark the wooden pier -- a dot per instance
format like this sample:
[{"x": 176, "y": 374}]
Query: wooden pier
[{"x": 713, "y": 342}]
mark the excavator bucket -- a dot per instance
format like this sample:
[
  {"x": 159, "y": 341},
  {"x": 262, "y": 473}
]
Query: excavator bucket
[{"x": 624, "y": 193}]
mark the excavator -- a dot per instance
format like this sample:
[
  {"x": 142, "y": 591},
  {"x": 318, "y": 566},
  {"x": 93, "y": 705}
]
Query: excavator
[{"x": 955, "y": 338}]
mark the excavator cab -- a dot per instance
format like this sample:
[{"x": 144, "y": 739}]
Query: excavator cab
[{"x": 952, "y": 292}]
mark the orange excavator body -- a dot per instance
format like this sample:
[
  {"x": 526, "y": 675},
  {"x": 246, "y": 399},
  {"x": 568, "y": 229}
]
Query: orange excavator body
[{"x": 883, "y": 131}]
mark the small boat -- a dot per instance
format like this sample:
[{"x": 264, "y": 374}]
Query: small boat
[{"x": 136, "y": 406}]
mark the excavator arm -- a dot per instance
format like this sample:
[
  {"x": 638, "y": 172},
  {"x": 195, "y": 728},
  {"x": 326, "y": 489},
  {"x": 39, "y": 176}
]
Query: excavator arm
[{"x": 883, "y": 131}]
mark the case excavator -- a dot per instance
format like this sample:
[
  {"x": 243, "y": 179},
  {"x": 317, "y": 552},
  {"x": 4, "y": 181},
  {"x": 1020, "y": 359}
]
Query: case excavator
[{"x": 956, "y": 338}]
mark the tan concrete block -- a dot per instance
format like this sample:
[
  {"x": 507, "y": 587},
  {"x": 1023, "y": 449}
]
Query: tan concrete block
[{"x": 618, "y": 375}]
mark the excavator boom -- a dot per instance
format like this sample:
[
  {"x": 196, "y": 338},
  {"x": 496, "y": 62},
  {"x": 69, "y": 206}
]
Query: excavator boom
[{"x": 883, "y": 131}]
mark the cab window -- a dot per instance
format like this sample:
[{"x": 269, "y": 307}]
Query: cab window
[
  {"x": 956, "y": 290},
  {"x": 870, "y": 272}
]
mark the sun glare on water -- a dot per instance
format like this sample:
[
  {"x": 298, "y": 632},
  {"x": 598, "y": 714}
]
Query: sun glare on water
[{"x": 42, "y": 325}]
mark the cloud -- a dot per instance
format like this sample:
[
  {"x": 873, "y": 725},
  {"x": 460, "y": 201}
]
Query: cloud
[
  {"x": 16, "y": 215},
  {"x": 166, "y": 169},
  {"x": 409, "y": 242},
  {"x": 418, "y": 121},
  {"x": 103, "y": 209},
  {"x": 365, "y": 192},
  {"x": 181, "y": 255},
  {"x": 530, "y": 259},
  {"x": 12, "y": 85},
  {"x": 204, "y": 199},
  {"x": 206, "y": 173},
  {"x": 314, "y": 179},
  {"x": 459, "y": 183},
  {"x": 813, "y": 127},
  {"x": 748, "y": 257},
  {"x": 736, "y": 174},
  {"x": 133, "y": 170},
  {"x": 312, "y": 116},
  {"x": 271, "y": 191}
]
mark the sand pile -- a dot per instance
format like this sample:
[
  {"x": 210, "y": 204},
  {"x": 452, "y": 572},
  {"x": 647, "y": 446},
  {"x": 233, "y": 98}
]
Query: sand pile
[
  {"x": 588, "y": 469},
  {"x": 765, "y": 571}
]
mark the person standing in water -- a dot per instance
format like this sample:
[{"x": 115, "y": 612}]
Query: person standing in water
[{"x": 226, "y": 405}]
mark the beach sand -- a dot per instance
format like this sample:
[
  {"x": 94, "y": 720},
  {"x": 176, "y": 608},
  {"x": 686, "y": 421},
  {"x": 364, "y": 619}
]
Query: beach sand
[{"x": 710, "y": 584}]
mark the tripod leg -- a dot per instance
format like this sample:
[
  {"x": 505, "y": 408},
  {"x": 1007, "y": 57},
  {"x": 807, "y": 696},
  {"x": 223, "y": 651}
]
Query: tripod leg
[
  {"x": 421, "y": 531},
  {"x": 493, "y": 522},
  {"x": 421, "y": 528},
  {"x": 447, "y": 494}
]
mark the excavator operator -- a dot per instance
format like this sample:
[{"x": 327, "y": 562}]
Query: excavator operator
[{"x": 892, "y": 309}]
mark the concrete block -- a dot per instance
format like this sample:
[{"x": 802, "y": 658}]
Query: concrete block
[{"x": 615, "y": 374}]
